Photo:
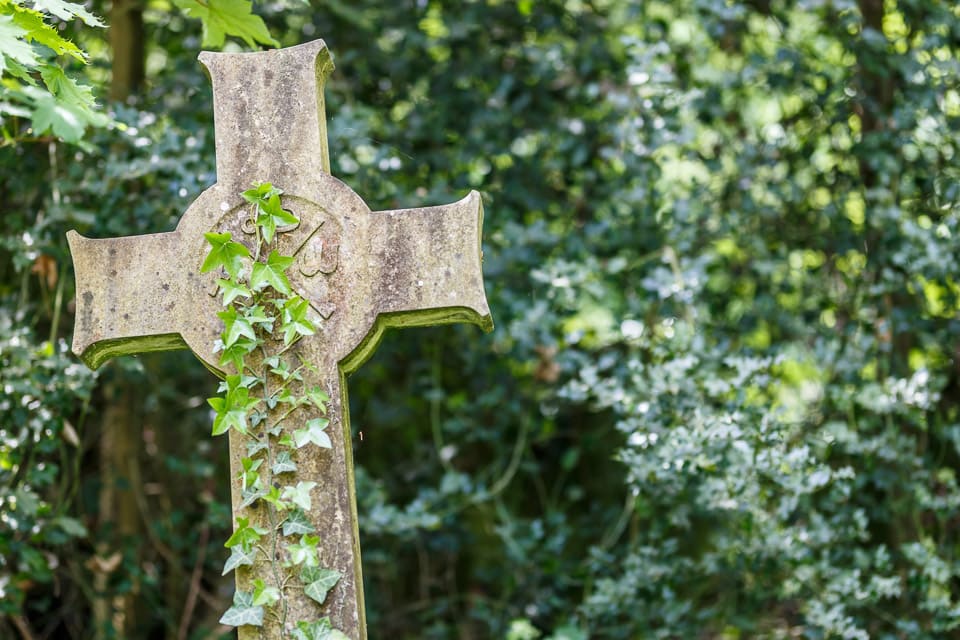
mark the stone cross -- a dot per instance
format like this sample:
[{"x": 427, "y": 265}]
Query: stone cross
[{"x": 361, "y": 271}]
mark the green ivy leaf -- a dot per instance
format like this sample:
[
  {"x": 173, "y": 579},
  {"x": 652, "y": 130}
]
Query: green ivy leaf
[
  {"x": 273, "y": 215},
  {"x": 284, "y": 463},
  {"x": 233, "y": 408},
  {"x": 236, "y": 353},
  {"x": 223, "y": 18},
  {"x": 317, "y": 630},
  {"x": 245, "y": 535},
  {"x": 243, "y": 611},
  {"x": 256, "y": 446},
  {"x": 282, "y": 370},
  {"x": 224, "y": 252},
  {"x": 264, "y": 594},
  {"x": 274, "y": 498},
  {"x": 260, "y": 192},
  {"x": 318, "y": 582},
  {"x": 304, "y": 552},
  {"x": 251, "y": 495},
  {"x": 299, "y": 495},
  {"x": 319, "y": 398},
  {"x": 295, "y": 322},
  {"x": 313, "y": 432},
  {"x": 285, "y": 396},
  {"x": 239, "y": 557},
  {"x": 232, "y": 290},
  {"x": 235, "y": 327},
  {"x": 249, "y": 474},
  {"x": 271, "y": 273},
  {"x": 297, "y": 524},
  {"x": 270, "y": 213},
  {"x": 257, "y": 315}
]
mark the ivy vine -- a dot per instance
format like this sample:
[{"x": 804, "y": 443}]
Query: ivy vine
[{"x": 263, "y": 320}]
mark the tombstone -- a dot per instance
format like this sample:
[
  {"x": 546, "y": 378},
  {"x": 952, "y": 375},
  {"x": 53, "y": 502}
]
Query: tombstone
[{"x": 361, "y": 272}]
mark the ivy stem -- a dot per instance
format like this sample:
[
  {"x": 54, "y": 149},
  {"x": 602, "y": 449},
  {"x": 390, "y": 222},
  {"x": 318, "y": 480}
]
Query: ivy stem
[
  {"x": 271, "y": 509},
  {"x": 256, "y": 229}
]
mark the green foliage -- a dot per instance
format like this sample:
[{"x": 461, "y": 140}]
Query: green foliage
[
  {"x": 720, "y": 248},
  {"x": 243, "y": 612},
  {"x": 33, "y": 43},
  {"x": 223, "y": 18},
  {"x": 29, "y": 46},
  {"x": 253, "y": 405},
  {"x": 40, "y": 416}
]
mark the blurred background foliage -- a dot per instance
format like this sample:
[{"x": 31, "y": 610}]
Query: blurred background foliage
[{"x": 723, "y": 396}]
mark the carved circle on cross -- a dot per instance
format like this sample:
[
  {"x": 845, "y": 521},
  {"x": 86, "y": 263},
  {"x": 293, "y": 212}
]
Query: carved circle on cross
[{"x": 314, "y": 243}]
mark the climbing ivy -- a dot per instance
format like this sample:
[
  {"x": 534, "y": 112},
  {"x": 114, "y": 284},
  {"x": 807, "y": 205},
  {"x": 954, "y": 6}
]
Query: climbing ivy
[{"x": 263, "y": 321}]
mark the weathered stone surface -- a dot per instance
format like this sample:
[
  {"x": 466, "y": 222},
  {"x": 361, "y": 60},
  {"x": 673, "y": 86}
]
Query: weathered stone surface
[{"x": 361, "y": 271}]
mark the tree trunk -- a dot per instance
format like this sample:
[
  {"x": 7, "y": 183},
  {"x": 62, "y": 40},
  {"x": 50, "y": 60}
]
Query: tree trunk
[
  {"x": 119, "y": 521},
  {"x": 127, "y": 43}
]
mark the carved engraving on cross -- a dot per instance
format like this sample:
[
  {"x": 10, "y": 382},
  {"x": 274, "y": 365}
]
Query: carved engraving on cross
[{"x": 361, "y": 271}]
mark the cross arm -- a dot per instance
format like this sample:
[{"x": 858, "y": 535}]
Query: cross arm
[
  {"x": 427, "y": 269},
  {"x": 130, "y": 295}
]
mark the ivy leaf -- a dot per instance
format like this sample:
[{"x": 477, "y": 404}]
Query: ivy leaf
[
  {"x": 234, "y": 354},
  {"x": 256, "y": 315},
  {"x": 317, "y": 630},
  {"x": 250, "y": 465},
  {"x": 249, "y": 474},
  {"x": 239, "y": 557},
  {"x": 224, "y": 252},
  {"x": 319, "y": 398},
  {"x": 233, "y": 408},
  {"x": 245, "y": 535},
  {"x": 285, "y": 396},
  {"x": 284, "y": 464},
  {"x": 264, "y": 594},
  {"x": 274, "y": 498},
  {"x": 297, "y": 524},
  {"x": 313, "y": 432},
  {"x": 251, "y": 495},
  {"x": 235, "y": 327},
  {"x": 271, "y": 215},
  {"x": 243, "y": 611},
  {"x": 318, "y": 582},
  {"x": 295, "y": 322},
  {"x": 271, "y": 273},
  {"x": 260, "y": 192},
  {"x": 223, "y": 18},
  {"x": 232, "y": 290},
  {"x": 256, "y": 446},
  {"x": 299, "y": 495},
  {"x": 304, "y": 552},
  {"x": 281, "y": 368}
]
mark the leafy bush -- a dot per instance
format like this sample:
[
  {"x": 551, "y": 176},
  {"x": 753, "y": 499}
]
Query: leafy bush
[{"x": 721, "y": 400}]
